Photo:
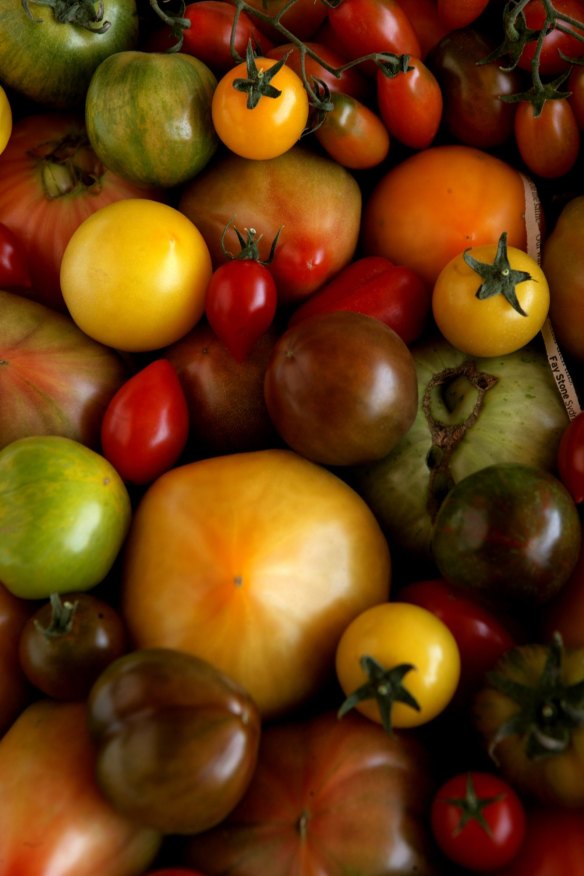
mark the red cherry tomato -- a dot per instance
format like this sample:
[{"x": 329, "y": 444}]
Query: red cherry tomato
[
  {"x": 241, "y": 304},
  {"x": 549, "y": 143},
  {"x": 571, "y": 457},
  {"x": 353, "y": 134},
  {"x": 146, "y": 424},
  {"x": 426, "y": 22},
  {"x": 410, "y": 104},
  {"x": 13, "y": 269},
  {"x": 556, "y": 42},
  {"x": 478, "y": 820},
  {"x": 373, "y": 285}
]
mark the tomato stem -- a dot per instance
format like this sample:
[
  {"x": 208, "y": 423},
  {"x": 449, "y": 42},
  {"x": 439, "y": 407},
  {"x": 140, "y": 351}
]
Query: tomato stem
[
  {"x": 80, "y": 13},
  {"x": 385, "y": 686}
]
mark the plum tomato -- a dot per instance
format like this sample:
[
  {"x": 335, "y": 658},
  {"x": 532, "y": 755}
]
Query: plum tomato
[
  {"x": 565, "y": 39},
  {"x": 549, "y": 140},
  {"x": 410, "y": 103},
  {"x": 363, "y": 27}
]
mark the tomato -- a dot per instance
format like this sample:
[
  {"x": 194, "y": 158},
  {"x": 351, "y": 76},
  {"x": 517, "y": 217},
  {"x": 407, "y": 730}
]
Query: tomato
[
  {"x": 79, "y": 833},
  {"x": 563, "y": 265},
  {"x": 176, "y": 739},
  {"x": 362, "y": 27},
  {"x": 302, "y": 18},
  {"x": 575, "y": 85},
  {"x": 68, "y": 515},
  {"x": 348, "y": 80},
  {"x": 146, "y": 424},
  {"x": 373, "y": 285},
  {"x": 556, "y": 40},
  {"x": 66, "y": 643},
  {"x": 49, "y": 53},
  {"x": 241, "y": 303},
  {"x": 353, "y": 134},
  {"x": 491, "y": 300},
  {"x": 134, "y": 275},
  {"x": 5, "y": 120},
  {"x": 563, "y": 613},
  {"x": 398, "y": 664},
  {"x": 267, "y": 116},
  {"x": 248, "y": 546},
  {"x": 460, "y": 13},
  {"x": 15, "y": 690},
  {"x": 328, "y": 796},
  {"x": 447, "y": 198},
  {"x": 571, "y": 457},
  {"x": 549, "y": 143},
  {"x": 14, "y": 272},
  {"x": 128, "y": 96},
  {"x": 51, "y": 181},
  {"x": 554, "y": 842},
  {"x": 426, "y": 22},
  {"x": 478, "y": 820},
  {"x": 313, "y": 201},
  {"x": 410, "y": 103},
  {"x": 525, "y": 716}
]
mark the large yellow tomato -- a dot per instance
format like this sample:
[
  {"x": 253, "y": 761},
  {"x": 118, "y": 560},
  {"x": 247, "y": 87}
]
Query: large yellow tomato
[
  {"x": 5, "y": 120},
  {"x": 134, "y": 275},
  {"x": 255, "y": 562}
]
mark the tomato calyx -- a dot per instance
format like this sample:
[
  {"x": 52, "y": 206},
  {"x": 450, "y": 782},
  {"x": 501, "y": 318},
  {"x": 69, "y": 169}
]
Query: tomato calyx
[
  {"x": 471, "y": 806},
  {"x": 548, "y": 711},
  {"x": 81, "y": 13},
  {"x": 258, "y": 82},
  {"x": 68, "y": 165},
  {"x": 61, "y": 621},
  {"x": 499, "y": 278},
  {"x": 384, "y": 686},
  {"x": 249, "y": 245}
]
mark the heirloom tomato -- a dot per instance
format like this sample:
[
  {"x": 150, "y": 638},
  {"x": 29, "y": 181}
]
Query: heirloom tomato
[
  {"x": 447, "y": 198},
  {"x": 14, "y": 273},
  {"x": 51, "y": 181},
  {"x": 398, "y": 664},
  {"x": 563, "y": 266},
  {"x": 50, "y": 50},
  {"x": 563, "y": 39},
  {"x": 353, "y": 134},
  {"x": 265, "y": 557},
  {"x": 327, "y": 796},
  {"x": 5, "y": 119},
  {"x": 77, "y": 833},
  {"x": 549, "y": 140},
  {"x": 410, "y": 103},
  {"x": 134, "y": 275}
]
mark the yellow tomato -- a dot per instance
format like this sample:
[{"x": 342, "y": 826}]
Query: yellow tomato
[
  {"x": 493, "y": 305},
  {"x": 274, "y": 124},
  {"x": 5, "y": 120},
  {"x": 134, "y": 275},
  {"x": 399, "y": 657}
]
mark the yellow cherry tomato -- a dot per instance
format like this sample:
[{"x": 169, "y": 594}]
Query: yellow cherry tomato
[
  {"x": 491, "y": 300},
  {"x": 398, "y": 664},
  {"x": 5, "y": 120},
  {"x": 134, "y": 275},
  {"x": 277, "y": 119}
]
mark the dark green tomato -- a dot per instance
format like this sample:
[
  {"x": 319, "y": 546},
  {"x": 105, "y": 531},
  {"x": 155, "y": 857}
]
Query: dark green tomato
[
  {"x": 510, "y": 532},
  {"x": 148, "y": 116},
  {"x": 177, "y": 740},
  {"x": 473, "y": 111},
  {"x": 52, "y": 61}
]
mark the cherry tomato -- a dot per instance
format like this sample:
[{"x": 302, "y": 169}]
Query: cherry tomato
[
  {"x": 353, "y": 134},
  {"x": 67, "y": 642},
  {"x": 5, "y": 120},
  {"x": 410, "y": 103},
  {"x": 241, "y": 304},
  {"x": 549, "y": 143},
  {"x": 362, "y": 27},
  {"x": 490, "y": 300},
  {"x": 146, "y": 424},
  {"x": 478, "y": 820},
  {"x": 13, "y": 268},
  {"x": 571, "y": 457},
  {"x": 426, "y": 22},
  {"x": 209, "y": 36},
  {"x": 457, "y": 14},
  {"x": 556, "y": 41},
  {"x": 398, "y": 664},
  {"x": 575, "y": 86},
  {"x": 267, "y": 119}
]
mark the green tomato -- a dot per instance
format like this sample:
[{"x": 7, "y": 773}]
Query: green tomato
[{"x": 64, "y": 514}]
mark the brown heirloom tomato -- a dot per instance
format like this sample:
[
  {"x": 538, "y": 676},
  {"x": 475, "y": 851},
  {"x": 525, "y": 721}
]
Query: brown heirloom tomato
[{"x": 255, "y": 562}]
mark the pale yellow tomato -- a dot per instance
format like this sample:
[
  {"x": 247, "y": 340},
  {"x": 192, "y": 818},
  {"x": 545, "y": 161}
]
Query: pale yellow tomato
[
  {"x": 134, "y": 275},
  {"x": 5, "y": 120}
]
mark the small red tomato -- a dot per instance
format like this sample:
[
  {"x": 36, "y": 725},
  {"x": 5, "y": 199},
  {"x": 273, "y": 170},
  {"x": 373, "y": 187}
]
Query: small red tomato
[
  {"x": 571, "y": 457},
  {"x": 241, "y": 304},
  {"x": 146, "y": 424},
  {"x": 410, "y": 103},
  {"x": 478, "y": 820},
  {"x": 353, "y": 134},
  {"x": 549, "y": 143},
  {"x": 13, "y": 269},
  {"x": 562, "y": 39}
]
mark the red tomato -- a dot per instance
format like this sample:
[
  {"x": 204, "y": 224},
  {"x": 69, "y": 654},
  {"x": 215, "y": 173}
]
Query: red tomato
[
  {"x": 410, "y": 104},
  {"x": 554, "y": 844},
  {"x": 146, "y": 424},
  {"x": 353, "y": 134},
  {"x": 241, "y": 304},
  {"x": 565, "y": 611},
  {"x": 375, "y": 286},
  {"x": 426, "y": 22},
  {"x": 14, "y": 273},
  {"x": 350, "y": 81},
  {"x": 14, "y": 687},
  {"x": 301, "y": 18},
  {"x": 571, "y": 457},
  {"x": 575, "y": 86},
  {"x": 478, "y": 820},
  {"x": 460, "y": 13},
  {"x": 555, "y": 41},
  {"x": 549, "y": 143}
]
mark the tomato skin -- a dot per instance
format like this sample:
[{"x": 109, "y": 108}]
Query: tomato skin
[
  {"x": 563, "y": 265},
  {"x": 373, "y": 285},
  {"x": 5, "y": 120},
  {"x": 563, "y": 613},
  {"x": 575, "y": 86},
  {"x": 146, "y": 424},
  {"x": 13, "y": 268},
  {"x": 209, "y": 35},
  {"x": 470, "y": 843},
  {"x": 460, "y": 13},
  {"x": 410, "y": 104},
  {"x": 426, "y": 22},
  {"x": 302, "y": 18},
  {"x": 362, "y": 27},
  {"x": 15, "y": 692},
  {"x": 350, "y": 81},
  {"x": 571, "y": 457},
  {"x": 555, "y": 41},
  {"x": 549, "y": 144},
  {"x": 352, "y": 134},
  {"x": 554, "y": 843}
]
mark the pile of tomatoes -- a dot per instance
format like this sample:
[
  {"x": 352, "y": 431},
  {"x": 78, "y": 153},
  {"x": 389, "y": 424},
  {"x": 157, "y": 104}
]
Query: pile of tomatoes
[{"x": 291, "y": 442}]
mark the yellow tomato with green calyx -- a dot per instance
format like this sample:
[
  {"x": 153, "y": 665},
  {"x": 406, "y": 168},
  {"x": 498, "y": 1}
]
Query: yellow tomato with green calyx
[
  {"x": 398, "y": 665},
  {"x": 134, "y": 275},
  {"x": 491, "y": 300},
  {"x": 5, "y": 120}
]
